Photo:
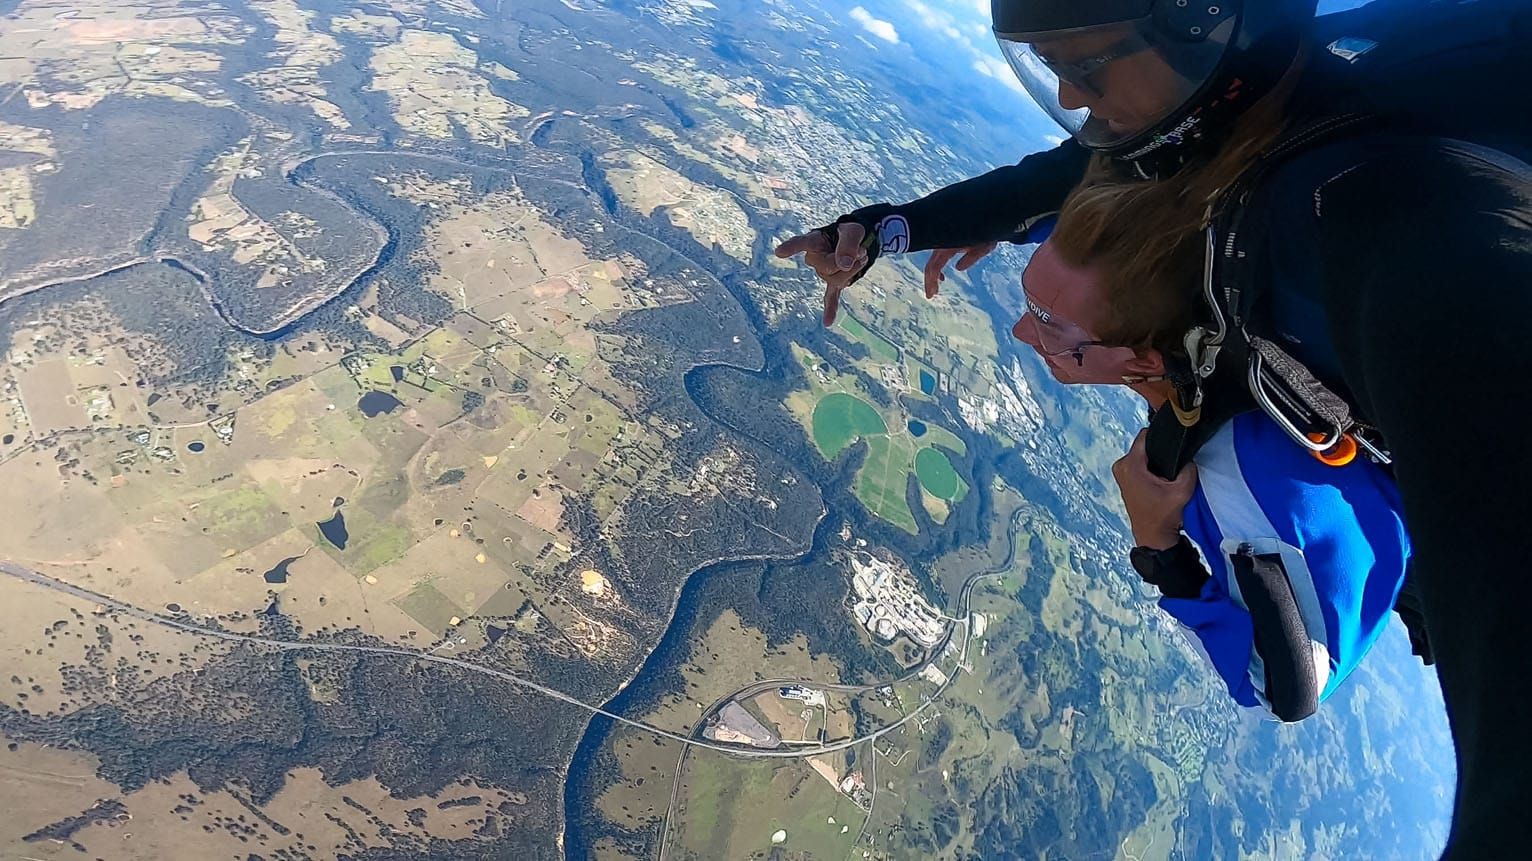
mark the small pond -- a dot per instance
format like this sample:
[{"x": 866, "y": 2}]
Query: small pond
[
  {"x": 334, "y": 530},
  {"x": 374, "y": 404},
  {"x": 278, "y": 574}
]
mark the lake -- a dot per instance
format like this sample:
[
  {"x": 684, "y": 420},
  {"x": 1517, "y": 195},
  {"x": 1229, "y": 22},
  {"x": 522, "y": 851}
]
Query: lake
[
  {"x": 278, "y": 574},
  {"x": 374, "y": 404},
  {"x": 334, "y": 530}
]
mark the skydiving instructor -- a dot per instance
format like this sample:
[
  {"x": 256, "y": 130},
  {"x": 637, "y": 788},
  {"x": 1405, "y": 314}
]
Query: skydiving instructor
[{"x": 1359, "y": 183}]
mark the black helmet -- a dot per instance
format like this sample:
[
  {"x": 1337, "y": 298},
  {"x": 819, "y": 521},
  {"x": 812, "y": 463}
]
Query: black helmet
[{"x": 1215, "y": 57}]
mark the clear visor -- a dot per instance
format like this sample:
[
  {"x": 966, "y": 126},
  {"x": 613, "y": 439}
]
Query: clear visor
[{"x": 1106, "y": 85}]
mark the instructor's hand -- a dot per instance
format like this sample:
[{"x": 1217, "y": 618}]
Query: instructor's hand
[
  {"x": 1154, "y": 504},
  {"x": 940, "y": 257},
  {"x": 838, "y": 266}
]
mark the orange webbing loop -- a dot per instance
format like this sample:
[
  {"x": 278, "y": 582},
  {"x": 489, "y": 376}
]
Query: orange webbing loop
[{"x": 1340, "y": 454}]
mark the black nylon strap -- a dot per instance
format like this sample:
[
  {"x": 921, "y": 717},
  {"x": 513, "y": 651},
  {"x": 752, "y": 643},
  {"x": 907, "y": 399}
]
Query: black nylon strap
[
  {"x": 1281, "y": 638},
  {"x": 1170, "y": 445}
]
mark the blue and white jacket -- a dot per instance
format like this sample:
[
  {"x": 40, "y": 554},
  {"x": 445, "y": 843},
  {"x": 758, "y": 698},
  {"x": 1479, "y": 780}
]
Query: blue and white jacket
[{"x": 1339, "y": 532}]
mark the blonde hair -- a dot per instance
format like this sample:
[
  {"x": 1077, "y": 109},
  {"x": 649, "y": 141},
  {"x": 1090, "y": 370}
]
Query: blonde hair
[{"x": 1145, "y": 239}]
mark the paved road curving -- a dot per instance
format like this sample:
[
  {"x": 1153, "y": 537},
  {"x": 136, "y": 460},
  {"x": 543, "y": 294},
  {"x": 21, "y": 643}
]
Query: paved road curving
[
  {"x": 27, "y": 575},
  {"x": 965, "y": 595}
]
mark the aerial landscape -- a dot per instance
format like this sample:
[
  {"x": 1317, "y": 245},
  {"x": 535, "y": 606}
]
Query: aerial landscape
[{"x": 411, "y": 448}]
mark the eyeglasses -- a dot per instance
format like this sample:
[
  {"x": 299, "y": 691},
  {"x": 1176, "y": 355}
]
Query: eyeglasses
[
  {"x": 1053, "y": 332},
  {"x": 1080, "y": 73}
]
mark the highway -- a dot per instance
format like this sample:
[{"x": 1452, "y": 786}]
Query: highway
[
  {"x": 965, "y": 596},
  {"x": 35, "y": 578}
]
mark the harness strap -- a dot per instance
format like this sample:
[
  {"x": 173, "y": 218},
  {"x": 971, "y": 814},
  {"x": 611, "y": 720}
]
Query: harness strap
[
  {"x": 1172, "y": 443},
  {"x": 1224, "y": 355}
]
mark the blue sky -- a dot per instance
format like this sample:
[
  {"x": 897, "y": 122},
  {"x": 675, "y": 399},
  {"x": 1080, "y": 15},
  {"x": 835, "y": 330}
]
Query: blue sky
[
  {"x": 965, "y": 23},
  {"x": 965, "y": 26}
]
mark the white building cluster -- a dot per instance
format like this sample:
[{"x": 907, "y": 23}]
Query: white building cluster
[
  {"x": 889, "y": 603},
  {"x": 807, "y": 696}
]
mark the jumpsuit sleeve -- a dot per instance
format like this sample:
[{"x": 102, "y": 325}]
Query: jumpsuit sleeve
[
  {"x": 993, "y": 207},
  {"x": 1224, "y": 630}
]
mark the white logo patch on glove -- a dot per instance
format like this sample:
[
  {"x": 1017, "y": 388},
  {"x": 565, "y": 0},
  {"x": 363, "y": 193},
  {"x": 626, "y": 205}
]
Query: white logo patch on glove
[{"x": 894, "y": 234}]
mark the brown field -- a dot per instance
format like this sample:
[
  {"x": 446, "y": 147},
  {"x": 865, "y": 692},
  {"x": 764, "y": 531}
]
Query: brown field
[
  {"x": 176, "y": 819},
  {"x": 50, "y": 397},
  {"x": 200, "y": 529},
  {"x": 450, "y": 564},
  {"x": 61, "y": 392},
  {"x": 498, "y": 246},
  {"x": 319, "y": 593},
  {"x": 433, "y": 84},
  {"x": 787, "y": 716},
  {"x": 101, "y": 49},
  {"x": 522, "y": 281},
  {"x": 711, "y": 215},
  {"x": 729, "y": 656},
  {"x": 454, "y": 509},
  {"x": 47, "y": 631},
  {"x": 111, "y": 371}
]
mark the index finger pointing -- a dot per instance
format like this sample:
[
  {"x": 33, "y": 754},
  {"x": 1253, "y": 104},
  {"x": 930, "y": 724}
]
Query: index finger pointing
[
  {"x": 832, "y": 301},
  {"x": 811, "y": 241}
]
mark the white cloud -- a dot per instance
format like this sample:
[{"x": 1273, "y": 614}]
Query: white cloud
[
  {"x": 990, "y": 67},
  {"x": 944, "y": 22},
  {"x": 928, "y": 16},
  {"x": 940, "y": 21},
  {"x": 876, "y": 26}
]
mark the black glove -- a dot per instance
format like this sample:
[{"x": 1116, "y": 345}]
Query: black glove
[{"x": 877, "y": 220}]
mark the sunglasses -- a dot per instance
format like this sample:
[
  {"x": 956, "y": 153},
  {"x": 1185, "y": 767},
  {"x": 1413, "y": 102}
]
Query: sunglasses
[
  {"x": 1055, "y": 332},
  {"x": 1080, "y": 74}
]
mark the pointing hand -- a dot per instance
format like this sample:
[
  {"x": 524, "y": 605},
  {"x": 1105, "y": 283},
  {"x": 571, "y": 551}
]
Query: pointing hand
[{"x": 837, "y": 266}]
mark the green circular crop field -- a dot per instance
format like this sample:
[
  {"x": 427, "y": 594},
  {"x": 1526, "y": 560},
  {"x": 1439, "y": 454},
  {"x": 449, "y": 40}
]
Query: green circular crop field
[
  {"x": 839, "y": 419},
  {"x": 937, "y": 475}
]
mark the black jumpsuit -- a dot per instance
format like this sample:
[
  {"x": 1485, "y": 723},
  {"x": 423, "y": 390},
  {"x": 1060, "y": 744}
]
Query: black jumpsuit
[{"x": 1422, "y": 279}]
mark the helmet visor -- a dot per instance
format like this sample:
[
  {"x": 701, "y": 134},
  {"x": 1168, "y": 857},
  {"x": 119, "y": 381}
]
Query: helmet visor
[{"x": 1111, "y": 84}]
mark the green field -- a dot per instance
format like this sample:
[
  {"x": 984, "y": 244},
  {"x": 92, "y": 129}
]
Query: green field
[
  {"x": 839, "y": 419},
  {"x": 836, "y": 413},
  {"x": 913, "y": 368},
  {"x": 937, "y": 475},
  {"x": 428, "y": 606},
  {"x": 877, "y": 345},
  {"x": 732, "y": 809},
  {"x": 881, "y": 483},
  {"x": 244, "y": 515},
  {"x": 940, "y": 436}
]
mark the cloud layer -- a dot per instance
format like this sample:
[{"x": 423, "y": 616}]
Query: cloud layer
[
  {"x": 876, "y": 26},
  {"x": 966, "y": 22}
]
